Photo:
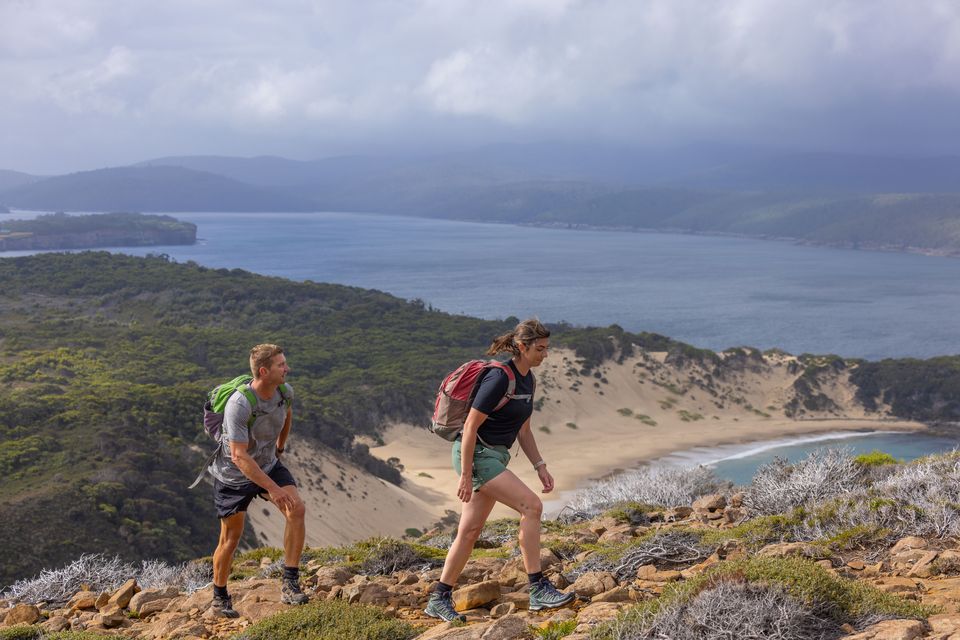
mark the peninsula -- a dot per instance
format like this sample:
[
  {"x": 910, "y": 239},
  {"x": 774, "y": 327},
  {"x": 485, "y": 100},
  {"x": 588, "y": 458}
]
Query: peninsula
[{"x": 62, "y": 231}]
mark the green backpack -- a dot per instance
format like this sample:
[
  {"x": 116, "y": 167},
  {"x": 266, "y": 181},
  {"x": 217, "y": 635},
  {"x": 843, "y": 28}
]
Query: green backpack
[{"x": 216, "y": 404}]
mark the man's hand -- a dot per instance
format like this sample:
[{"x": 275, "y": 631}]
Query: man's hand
[{"x": 283, "y": 498}]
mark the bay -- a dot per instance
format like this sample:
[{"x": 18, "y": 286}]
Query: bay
[
  {"x": 738, "y": 463},
  {"x": 713, "y": 292}
]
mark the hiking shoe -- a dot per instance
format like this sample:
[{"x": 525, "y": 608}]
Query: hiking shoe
[
  {"x": 440, "y": 606},
  {"x": 224, "y": 607},
  {"x": 543, "y": 595},
  {"x": 291, "y": 593}
]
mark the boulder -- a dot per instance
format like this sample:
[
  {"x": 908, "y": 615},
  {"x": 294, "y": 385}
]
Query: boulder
[
  {"x": 21, "y": 614},
  {"x": 713, "y": 502},
  {"x": 83, "y": 600},
  {"x": 140, "y": 600},
  {"x": 448, "y": 631},
  {"x": 923, "y": 568},
  {"x": 593, "y": 583},
  {"x": 121, "y": 597},
  {"x": 598, "y": 612},
  {"x": 890, "y": 630},
  {"x": 508, "y": 627},
  {"x": 329, "y": 577},
  {"x": 503, "y": 609},
  {"x": 908, "y": 543},
  {"x": 56, "y": 623},
  {"x": 476, "y": 595},
  {"x": 785, "y": 549}
]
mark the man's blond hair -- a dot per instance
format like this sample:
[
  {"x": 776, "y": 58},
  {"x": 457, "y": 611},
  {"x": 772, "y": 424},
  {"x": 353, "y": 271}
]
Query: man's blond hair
[{"x": 261, "y": 356}]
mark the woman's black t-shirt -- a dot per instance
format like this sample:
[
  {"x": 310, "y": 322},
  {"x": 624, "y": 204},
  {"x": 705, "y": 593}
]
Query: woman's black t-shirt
[{"x": 502, "y": 426}]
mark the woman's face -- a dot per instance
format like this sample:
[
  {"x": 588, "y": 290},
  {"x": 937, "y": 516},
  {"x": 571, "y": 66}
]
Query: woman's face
[{"x": 536, "y": 352}]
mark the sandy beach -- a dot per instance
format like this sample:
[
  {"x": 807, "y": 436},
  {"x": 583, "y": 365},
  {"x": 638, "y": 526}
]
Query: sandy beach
[
  {"x": 588, "y": 426},
  {"x": 587, "y": 433}
]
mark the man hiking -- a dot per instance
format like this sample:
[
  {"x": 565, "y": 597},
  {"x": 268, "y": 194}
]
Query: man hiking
[{"x": 248, "y": 465}]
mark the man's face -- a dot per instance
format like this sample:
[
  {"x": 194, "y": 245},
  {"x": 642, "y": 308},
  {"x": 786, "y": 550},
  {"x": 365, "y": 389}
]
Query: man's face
[{"x": 276, "y": 373}]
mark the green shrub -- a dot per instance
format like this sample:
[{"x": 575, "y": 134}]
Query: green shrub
[
  {"x": 875, "y": 458},
  {"x": 572, "y": 425},
  {"x": 554, "y": 630},
  {"x": 625, "y": 412},
  {"x": 330, "y": 620}
]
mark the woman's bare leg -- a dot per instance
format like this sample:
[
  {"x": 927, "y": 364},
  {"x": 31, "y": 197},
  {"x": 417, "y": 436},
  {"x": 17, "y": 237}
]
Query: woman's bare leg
[
  {"x": 472, "y": 519},
  {"x": 511, "y": 491}
]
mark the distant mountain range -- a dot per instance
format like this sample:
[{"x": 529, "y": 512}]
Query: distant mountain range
[{"x": 848, "y": 200}]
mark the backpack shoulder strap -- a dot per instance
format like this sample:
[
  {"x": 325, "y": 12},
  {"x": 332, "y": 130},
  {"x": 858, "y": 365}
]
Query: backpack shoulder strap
[
  {"x": 285, "y": 393},
  {"x": 511, "y": 382},
  {"x": 251, "y": 397}
]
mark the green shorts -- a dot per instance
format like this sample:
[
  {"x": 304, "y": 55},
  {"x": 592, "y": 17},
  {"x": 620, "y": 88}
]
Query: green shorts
[{"x": 488, "y": 462}]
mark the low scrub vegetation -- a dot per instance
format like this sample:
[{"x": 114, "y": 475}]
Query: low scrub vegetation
[
  {"x": 662, "y": 486},
  {"x": 330, "y": 620},
  {"x": 783, "y": 598}
]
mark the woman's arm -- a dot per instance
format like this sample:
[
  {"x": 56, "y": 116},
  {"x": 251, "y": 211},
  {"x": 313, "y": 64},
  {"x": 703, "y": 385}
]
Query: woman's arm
[
  {"x": 529, "y": 445},
  {"x": 468, "y": 444}
]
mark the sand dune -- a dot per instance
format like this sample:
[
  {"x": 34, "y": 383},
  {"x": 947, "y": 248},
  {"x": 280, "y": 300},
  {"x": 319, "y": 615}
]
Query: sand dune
[{"x": 588, "y": 426}]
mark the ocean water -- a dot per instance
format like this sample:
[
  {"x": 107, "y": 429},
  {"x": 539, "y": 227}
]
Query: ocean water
[
  {"x": 738, "y": 463},
  {"x": 713, "y": 292}
]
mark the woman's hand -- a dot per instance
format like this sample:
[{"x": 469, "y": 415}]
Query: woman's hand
[
  {"x": 545, "y": 478},
  {"x": 465, "y": 488}
]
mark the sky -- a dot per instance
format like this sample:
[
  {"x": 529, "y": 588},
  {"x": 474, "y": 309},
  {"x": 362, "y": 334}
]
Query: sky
[{"x": 86, "y": 84}]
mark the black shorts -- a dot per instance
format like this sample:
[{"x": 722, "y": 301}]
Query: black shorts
[{"x": 232, "y": 500}]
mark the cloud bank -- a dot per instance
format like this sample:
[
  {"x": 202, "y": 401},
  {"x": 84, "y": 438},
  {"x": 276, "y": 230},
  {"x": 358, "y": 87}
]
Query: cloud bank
[{"x": 89, "y": 83}]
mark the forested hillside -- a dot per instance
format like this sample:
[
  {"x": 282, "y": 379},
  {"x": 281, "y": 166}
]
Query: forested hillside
[{"x": 105, "y": 360}]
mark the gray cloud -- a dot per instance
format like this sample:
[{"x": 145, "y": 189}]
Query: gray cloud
[{"x": 89, "y": 83}]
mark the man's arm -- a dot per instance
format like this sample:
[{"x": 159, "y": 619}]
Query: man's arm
[{"x": 250, "y": 468}]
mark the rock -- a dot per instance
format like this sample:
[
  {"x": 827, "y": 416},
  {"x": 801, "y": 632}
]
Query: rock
[
  {"x": 21, "y": 614},
  {"x": 598, "y": 612},
  {"x": 83, "y": 600},
  {"x": 138, "y": 603},
  {"x": 618, "y": 534},
  {"x": 476, "y": 595},
  {"x": 733, "y": 515},
  {"x": 503, "y": 609},
  {"x": 945, "y": 623},
  {"x": 110, "y": 610},
  {"x": 376, "y": 594},
  {"x": 111, "y": 620},
  {"x": 602, "y": 525},
  {"x": 513, "y": 573},
  {"x": 857, "y": 565},
  {"x": 713, "y": 502},
  {"x": 923, "y": 568},
  {"x": 353, "y": 592},
  {"x": 890, "y": 630},
  {"x": 677, "y": 513},
  {"x": 908, "y": 543},
  {"x": 56, "y": 623},
  {"x": 121, "y": 597},
  {"x": 329, "y": 577},
  {"x": 507, "y": 628},
  {"x": 736, "y": 500},
  {"x": 102, "y": 600},
  {"x": 617, "y": 594},
  {"x": 900, "y": 586},
  {"x": 447, "y": 631},
  {"x": 594, "y": 582},
  {"x": 520, "y": 599}
]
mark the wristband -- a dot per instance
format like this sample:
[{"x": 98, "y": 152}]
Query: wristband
[
  {"x": 279, "y": 450},
  {"x": 539, "y": 464}
]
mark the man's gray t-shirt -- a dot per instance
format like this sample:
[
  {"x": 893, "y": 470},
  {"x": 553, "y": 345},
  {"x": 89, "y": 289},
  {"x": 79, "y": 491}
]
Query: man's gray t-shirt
[{"x": 261, "y": 437}]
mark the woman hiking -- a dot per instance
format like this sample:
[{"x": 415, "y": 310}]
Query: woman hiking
[{"x": 480, "y": 456}]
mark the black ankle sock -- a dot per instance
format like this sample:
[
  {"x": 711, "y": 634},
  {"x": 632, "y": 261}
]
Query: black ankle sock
[
  {"x": 535, "y": 577},
  {"x": 220, "y": 592},
  {"x": 291, "y": 573},
  {"x": 443, "y": 588}
]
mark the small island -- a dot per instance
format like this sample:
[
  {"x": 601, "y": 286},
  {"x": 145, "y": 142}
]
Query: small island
[{"x": 62, "y": 231}]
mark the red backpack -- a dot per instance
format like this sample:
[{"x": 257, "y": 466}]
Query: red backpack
[{"x": 457, "y": 391}]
